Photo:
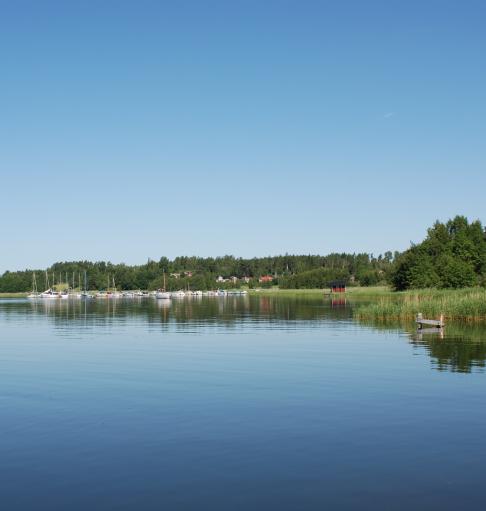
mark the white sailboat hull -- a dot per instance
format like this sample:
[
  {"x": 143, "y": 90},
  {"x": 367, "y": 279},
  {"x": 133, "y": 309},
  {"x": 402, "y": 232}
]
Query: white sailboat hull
[{"x": 50, "y": 296}]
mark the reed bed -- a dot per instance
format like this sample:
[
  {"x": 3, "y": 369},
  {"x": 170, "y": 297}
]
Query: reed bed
[{"x": 462, "y": 304}]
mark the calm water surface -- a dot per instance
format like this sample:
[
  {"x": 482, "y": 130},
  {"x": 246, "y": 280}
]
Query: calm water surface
[{"x": 236, "y": 403}]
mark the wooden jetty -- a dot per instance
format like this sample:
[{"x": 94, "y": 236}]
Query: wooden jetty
[{"x": 438, "y": 323}]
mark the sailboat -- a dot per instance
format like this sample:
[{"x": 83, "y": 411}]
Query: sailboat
[
  {"x": 115, "y": 294},
  {"x": 107, "y": 293},
  {"x": 64, "y": 294},
  {"x": 84, "y": 294},
  {"x": 35, "y": 293},
  {"x": 49, "y": 292},
  {"x": 162, "y": 294}
]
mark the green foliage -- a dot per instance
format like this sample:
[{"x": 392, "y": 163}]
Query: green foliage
[
  {"x": 300, "y": 271},
  {"x": 453, "y": 255},
  {"x": 318, "y": 278},
  {"x": 465, "y": 304}
]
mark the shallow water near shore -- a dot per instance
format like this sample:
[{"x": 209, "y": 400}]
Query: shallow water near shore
[{"x": 236, "y": 403}]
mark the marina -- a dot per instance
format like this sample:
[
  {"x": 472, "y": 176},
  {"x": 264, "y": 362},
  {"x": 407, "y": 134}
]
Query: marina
[{"x": 67, "y": 292}]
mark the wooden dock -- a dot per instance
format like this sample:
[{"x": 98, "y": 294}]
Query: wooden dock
[{"x": 438, "y": 323}]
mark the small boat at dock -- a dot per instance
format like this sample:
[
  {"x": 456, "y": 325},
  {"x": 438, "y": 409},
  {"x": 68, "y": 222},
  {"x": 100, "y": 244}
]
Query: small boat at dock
[{"x": 50, "y": 294}]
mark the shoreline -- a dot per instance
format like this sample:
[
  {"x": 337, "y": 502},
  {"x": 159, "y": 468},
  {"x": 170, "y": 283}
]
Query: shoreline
[
  {"x": 350, "y": 291},
  {"x": 275, "y": 291},
  {"x": 467, "y": 305},
  {"x": 384, "y": 305}
]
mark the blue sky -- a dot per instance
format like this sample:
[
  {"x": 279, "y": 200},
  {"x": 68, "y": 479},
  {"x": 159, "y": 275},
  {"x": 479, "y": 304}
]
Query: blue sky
[{"x": 131, "y": 130}]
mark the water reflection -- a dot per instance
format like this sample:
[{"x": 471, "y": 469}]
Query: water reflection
[
  {"x": 217, "y": 310},
  {"x": 458, "y": 347}
]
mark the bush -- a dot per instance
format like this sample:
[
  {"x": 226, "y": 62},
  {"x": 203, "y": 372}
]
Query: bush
[{"x": 453, "y": 255}]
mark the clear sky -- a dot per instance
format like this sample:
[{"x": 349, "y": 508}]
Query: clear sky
[{"x": 138, "y": 129}]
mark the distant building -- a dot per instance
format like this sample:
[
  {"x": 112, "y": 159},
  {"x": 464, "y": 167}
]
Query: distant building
[
  {"x": 337, "y": 286},
  {"x": 220, "y": 279},
  {"x": 175, "y": 275},
  {"x": 245, "y": 279},
  {"x": 188, "y": 273},
  {"x": 265, "y": 278}
]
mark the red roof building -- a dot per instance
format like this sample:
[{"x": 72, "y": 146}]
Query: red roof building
[{"x": 265, "y": 278}]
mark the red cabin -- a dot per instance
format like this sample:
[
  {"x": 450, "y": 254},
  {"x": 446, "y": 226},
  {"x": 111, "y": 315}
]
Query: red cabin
[{"x": 338, "y": 286}]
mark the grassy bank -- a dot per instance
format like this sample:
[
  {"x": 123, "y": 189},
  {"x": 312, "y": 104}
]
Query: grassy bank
[
  {"x": 461, "y": 304},
  {"x": 13, "y": 295},
  {"x": 350, "y": 292}
]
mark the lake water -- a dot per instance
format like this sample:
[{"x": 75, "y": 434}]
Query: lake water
[{"x": 236, "y": 403}]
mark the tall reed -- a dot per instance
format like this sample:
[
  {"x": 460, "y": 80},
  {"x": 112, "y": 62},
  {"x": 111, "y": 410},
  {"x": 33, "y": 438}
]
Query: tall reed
[{"x": 464, "y": 304}]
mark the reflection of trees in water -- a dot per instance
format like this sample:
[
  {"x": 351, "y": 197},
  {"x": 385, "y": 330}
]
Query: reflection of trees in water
[
  {"x": 457, "y": 356},
  {"x": 460, "y": 347},
  {"x": 212, "y": 310}
]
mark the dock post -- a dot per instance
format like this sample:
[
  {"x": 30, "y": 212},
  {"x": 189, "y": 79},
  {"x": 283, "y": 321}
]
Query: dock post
[{"x": 419, "y": 319}]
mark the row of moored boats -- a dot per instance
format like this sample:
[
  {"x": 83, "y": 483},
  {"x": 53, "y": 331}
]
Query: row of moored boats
[{"x": 160, "y": 294}]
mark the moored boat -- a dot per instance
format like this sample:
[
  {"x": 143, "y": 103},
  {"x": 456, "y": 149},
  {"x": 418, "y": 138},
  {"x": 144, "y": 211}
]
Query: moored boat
[
  {"x": 162, "y": 294},
  {"x": 50, "y": 294},
  {"x": 34, "y": 293}
]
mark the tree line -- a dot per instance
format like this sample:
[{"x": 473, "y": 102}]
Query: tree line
[
  {"x": 452, "y": 255},
  {"x": 288, "y": 271}
]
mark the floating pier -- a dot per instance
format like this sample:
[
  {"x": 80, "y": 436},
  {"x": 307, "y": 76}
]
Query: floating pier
[{"x": 438, "y": 323}]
